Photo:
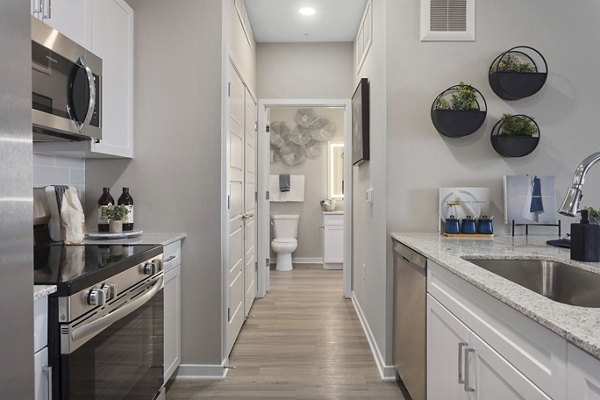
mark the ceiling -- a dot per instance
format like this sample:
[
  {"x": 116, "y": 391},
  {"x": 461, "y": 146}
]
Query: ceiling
[{"x": 280, "y": 21}]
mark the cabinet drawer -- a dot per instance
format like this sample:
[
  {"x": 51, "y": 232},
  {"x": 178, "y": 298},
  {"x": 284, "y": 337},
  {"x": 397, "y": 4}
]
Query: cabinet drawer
[
  {"x": 333, "y": 219},
  {"x": 535, "y": 351},
  {"x": 40, "y": 323},
  {"x": 172, "y": 255}
]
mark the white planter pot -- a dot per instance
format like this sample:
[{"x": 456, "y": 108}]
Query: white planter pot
[{"x": 115, "y": 226}]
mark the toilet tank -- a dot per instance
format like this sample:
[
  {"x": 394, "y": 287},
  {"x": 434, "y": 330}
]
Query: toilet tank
[{"x": 285, "y": 226}]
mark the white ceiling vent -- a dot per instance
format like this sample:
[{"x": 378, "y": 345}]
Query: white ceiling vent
[{"x": 447, "y": 20}]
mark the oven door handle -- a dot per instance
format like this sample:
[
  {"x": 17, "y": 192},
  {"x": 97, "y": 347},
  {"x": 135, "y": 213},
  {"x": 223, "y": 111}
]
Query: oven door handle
[{"x": 100, "y": 324}]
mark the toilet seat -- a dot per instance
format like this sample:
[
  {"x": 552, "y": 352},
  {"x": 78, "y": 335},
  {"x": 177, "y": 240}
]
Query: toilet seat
[{"x": 285, "y": 241}]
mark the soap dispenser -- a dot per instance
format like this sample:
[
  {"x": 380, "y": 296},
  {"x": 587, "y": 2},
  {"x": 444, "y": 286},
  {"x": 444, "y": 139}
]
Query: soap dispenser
[{"x": 585, "y": 240}]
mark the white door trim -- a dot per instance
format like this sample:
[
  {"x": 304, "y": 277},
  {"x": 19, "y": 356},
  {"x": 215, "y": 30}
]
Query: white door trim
[{"x": 263, "y": 180}]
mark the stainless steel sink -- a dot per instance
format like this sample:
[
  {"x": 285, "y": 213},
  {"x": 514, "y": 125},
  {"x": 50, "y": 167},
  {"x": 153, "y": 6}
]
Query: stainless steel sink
[{"x": 557, "y": 281}]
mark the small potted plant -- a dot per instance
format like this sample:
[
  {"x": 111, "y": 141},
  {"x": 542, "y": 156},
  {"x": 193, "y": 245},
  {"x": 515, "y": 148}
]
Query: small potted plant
[
  {"x": 514, "y": 74},
  {"x": 115, "y": 214},
  {"x": 594, "y": 215},
  {"x": 457, "y": 111},
  {"x": 515, "y": 135}
]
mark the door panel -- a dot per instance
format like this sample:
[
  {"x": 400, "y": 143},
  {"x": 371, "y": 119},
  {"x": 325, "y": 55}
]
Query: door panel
[
  {"x": 235, "y": 277},
  {"x": 250, "y": 202}
]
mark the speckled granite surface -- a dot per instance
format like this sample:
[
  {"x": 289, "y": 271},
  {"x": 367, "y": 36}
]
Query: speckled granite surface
[
  {"x": 40, "y": 291},
  {"x": 579, "y": 325},
  {"x": 145, "y": 238}
]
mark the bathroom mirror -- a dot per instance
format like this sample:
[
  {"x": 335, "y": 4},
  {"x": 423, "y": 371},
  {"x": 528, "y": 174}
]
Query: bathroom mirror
[{"x": 335, "y": 169}]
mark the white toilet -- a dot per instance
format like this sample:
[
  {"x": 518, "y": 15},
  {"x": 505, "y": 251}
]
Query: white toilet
[{"x": 285, "y": 229}]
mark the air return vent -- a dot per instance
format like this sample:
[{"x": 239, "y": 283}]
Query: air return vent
[{"x": 447, "y": 20}]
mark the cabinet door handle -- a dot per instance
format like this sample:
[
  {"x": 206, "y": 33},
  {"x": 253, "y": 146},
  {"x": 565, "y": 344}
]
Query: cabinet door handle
[
  {"x": 468, "y": 387},
  {"x": 461, "y": 376},
  {"x": 37, "y": 6},
  {"x": 48, "y": 370},
  {"x": 170, "y": 258},
  {"x": 47, "y": 9}
]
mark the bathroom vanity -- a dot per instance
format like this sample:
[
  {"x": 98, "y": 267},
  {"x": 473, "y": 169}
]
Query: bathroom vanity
[{"x": 333, "y": 239}]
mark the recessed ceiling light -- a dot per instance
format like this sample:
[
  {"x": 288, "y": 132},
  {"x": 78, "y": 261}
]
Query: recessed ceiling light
[{"x": 307, "y": 11}]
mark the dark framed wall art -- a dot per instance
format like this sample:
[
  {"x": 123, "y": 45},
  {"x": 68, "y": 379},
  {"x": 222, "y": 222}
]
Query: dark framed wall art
[{"x": 360, "y": 123}]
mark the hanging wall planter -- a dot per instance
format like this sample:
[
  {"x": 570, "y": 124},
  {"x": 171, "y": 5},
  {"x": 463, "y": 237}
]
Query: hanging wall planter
[
  {"x": 518, "y": 73},
  {"x": 458, "y": 111},
  {"x": 515, "y": 135}
]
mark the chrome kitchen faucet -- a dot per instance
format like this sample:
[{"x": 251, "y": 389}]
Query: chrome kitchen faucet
[{"x": 570, "y": 204}]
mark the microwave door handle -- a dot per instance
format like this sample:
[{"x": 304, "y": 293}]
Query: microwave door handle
[{"x": 92, "y": 87}]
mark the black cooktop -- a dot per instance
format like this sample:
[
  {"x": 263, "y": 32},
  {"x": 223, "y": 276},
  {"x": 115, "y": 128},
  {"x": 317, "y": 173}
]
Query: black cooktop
[{"x": 74, "y": 268}]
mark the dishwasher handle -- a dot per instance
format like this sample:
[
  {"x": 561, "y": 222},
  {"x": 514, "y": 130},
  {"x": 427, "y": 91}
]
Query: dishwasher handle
[{"x": 410, "y": 255}]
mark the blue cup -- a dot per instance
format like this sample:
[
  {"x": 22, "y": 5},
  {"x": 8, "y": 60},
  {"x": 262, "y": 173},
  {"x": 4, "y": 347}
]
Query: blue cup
[
  {"x": 468, "y": 225},
  {"x": 452, "y": 225},
  {"x": 485, "y": 226}
]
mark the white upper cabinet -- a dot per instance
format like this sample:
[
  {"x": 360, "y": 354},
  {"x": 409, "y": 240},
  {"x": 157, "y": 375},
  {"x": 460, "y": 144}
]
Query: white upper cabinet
[
  {"x": 112, "y": 40},
  {"x": 71, "y": 18}
]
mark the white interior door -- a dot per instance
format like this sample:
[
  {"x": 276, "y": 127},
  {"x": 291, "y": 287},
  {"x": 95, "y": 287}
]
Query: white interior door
[
  {"x": 250, "y": 200},
  {"x": 235, "y": 205}
]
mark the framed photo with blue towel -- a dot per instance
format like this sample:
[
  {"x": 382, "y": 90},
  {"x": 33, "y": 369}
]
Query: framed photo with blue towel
[
  {"x": 360, "y": 123},
  {"x": 530, "y": 199}
]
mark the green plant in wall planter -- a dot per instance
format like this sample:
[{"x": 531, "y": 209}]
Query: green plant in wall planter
[
  {"x": 457, "y": 111},
  {"x": 514, "y": 63},
  {"x": 115, "y": 214},
  {"x": 518, "y": 73},
  {"x": 515, "y": 135}
]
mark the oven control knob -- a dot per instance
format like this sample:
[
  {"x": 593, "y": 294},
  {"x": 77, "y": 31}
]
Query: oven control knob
[
  {"x": 96, "y": 297},
  {"x": 157, "y": 265}
]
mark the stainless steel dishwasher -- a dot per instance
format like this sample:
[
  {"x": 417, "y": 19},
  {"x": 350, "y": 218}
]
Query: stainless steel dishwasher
[{"x": 410, "y": 316}]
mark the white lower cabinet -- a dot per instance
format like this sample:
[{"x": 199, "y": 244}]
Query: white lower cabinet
[
  {"x": 41, "y": 375},
  {"x": 42, "y": 371},
  {"x": 461, "y": 365},
  {"x": 583, "y": 375},
  {"x": 172, "y": 313},
  {"x": 333, "y": 241}
]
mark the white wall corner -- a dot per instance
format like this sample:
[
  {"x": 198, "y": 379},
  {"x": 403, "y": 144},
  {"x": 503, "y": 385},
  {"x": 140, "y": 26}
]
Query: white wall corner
[{"x": 387, "y": 372}]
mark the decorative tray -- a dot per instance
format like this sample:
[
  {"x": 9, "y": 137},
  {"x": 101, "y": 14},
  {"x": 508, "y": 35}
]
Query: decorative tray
[
  {"x": 108, "y": 235},
  {"x": 476, "y": 236}
]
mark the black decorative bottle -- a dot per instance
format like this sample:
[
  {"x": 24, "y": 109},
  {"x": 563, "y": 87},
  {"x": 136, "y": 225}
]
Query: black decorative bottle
[
  {"x": 105, "y": 200},
  {"x": 127, "y": 201},
  {"x": 585, "y": 240}
]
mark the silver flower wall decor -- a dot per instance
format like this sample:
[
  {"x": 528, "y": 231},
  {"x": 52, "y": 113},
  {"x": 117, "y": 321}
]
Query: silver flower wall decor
[{"x": 305, "y": 140}]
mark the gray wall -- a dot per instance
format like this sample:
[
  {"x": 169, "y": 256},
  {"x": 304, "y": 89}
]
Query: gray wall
[
  {"x": 304, "y": 70},
  {"x": 420, "y": 160},
  {"x": 369, "y": 274},
  {"x": 315, "y": 188},
  {"x": 175, "y": 176}
]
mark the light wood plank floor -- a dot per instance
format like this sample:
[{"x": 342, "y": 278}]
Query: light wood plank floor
[{"x": 302, "y": 341}]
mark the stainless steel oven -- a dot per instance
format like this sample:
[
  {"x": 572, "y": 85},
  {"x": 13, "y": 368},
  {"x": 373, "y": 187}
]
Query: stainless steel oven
[
  {"x": 105, "y": 320},
  {"x": 66, "y": 87}
]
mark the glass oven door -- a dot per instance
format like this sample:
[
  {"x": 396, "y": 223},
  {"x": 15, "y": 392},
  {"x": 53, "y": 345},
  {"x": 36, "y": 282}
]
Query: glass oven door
[{"x": 122, "y": 362}]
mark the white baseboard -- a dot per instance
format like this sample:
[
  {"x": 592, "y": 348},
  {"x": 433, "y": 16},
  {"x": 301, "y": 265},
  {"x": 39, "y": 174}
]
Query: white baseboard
[
  {"x": 301, "y": 260},
  {"x": 387, "y": 372},
  {"x": 307, "y": 260},
  {"x": 202, "y": 372}
]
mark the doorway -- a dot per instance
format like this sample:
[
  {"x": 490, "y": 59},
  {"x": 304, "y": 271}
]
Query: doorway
[{"x": 300, "y": 109}]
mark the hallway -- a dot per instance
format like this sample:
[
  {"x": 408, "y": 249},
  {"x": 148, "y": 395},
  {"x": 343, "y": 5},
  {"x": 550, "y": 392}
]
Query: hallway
[{"x": 302, "y": 341}]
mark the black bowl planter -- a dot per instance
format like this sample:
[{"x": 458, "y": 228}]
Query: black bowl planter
[
  {"x": 515, "y": 74},
  {"x": 458, "y": 123},
  {"x": 514, "y": 145}
]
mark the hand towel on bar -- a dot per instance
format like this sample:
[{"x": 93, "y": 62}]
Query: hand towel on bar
[
  {"x": 284, "y": 183},
  {"x": 274, "y": 193},
  {"x": 296, "y": 192}
]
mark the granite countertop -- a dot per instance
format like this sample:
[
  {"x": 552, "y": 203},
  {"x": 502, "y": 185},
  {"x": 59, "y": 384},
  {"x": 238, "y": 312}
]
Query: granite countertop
[
  {"x": 579, "y": 325},
  {"x": 144, "y": 238},
  {"x": 40, "y": 291}
]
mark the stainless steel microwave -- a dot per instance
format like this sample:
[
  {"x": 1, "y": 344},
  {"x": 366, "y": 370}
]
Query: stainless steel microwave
[{"x": 66, "y": 87}]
